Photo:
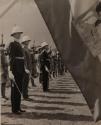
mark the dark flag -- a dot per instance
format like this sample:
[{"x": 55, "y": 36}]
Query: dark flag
[{"x": 84, "y": 67}]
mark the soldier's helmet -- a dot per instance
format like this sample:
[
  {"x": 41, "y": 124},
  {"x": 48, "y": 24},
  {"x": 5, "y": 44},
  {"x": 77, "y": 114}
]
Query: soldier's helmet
[
  {"x": 25, "y": 39},
  {"x": 44, "y": 44},
  {"x": 16, "y": 29}
]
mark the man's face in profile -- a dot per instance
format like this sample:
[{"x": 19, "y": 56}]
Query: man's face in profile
[{"x": 17, "y": 35}]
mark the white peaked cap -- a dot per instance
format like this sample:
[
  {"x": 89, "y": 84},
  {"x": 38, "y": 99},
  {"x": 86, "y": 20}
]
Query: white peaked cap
[
  {"x": 16, "y": 29},
  {"x": 44, "y": 44}
]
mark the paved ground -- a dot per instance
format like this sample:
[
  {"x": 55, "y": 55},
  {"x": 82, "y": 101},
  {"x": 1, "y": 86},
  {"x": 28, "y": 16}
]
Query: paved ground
[{"x": 63, "y": 105}]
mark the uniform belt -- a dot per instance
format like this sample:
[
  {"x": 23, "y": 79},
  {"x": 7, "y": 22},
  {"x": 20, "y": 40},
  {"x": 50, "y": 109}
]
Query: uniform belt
[{"x": 22, "y": 58}]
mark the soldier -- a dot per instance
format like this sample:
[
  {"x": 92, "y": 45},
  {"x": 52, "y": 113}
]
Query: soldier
[
  {"x": 33, "y": 65},
  {"x": 44, "y": 66},
  {"x": 54, "y": 65},
  {"x": 16, "y": 70},
  {"x": 27, "y": 60},
  {"x": 57, "y": 63},
  {"x": 60, "y": 65},
  {"x": 4, "y": 70},
  {"x": 37, "y": 63}
]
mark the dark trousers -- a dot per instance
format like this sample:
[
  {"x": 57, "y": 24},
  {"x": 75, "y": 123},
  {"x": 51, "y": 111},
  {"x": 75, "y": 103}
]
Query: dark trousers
[
  {"x": 45, "y": 81},
  {"x": 3, "y": 88},
  {"x": 32, "y": 81},
  {"x": 25, "y": 85},
  {"x": 15, "y": 94}
]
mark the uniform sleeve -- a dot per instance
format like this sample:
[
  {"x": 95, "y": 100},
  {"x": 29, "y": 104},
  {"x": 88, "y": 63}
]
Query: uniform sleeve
[
  {"x": 11, "y": 56},
  {"x": 47, "y": 61},
  {"x": 10, "y": 51}
]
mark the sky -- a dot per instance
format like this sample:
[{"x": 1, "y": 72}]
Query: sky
[{"x": 25, "y": 14}]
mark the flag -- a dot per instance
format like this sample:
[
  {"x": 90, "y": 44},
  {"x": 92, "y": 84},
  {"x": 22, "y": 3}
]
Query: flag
[
  {"x": 84, "y": 10},
  {"x": 85, "y": 69},
  {"x": 80, "y": 7}
]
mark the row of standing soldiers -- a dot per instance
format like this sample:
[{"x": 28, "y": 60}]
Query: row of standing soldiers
[{"x": 25, "y": 66}]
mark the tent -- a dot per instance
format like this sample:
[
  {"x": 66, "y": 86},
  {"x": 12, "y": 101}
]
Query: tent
[{"x": 25, "y": 14}]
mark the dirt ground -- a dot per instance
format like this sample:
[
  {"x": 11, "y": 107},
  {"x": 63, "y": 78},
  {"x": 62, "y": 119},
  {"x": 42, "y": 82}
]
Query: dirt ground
[{"x": 62, "y": 105}]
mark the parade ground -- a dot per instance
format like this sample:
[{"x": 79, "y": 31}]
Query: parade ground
[{"x": 62, "y": 105}]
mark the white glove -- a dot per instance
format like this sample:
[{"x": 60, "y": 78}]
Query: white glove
[
  {"x": 27, "y": 71},
  {"x": 11, "y": 76},
  {"x": 38, "y": 70},
  {"x": 46, "y": 69}
]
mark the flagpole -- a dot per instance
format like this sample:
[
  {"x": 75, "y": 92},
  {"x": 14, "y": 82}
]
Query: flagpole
[{"x": 2, "y": 38}]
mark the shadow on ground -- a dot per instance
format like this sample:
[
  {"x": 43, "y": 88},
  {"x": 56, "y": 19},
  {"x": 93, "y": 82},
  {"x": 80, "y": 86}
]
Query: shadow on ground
[
  {"x": 50, "y": 116},
  {"x": 50, "y": 96},
  {"x": 63, "y": 91},
  {"x": 10, "y": 124}
]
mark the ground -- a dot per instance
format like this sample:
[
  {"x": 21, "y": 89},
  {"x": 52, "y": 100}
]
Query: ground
[{"x": 62, "y": 105}]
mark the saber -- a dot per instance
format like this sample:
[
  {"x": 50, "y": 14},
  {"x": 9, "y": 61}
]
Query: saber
[
  {"x": 13, "y": 81},
  {"x": 31, "y": 77}
]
